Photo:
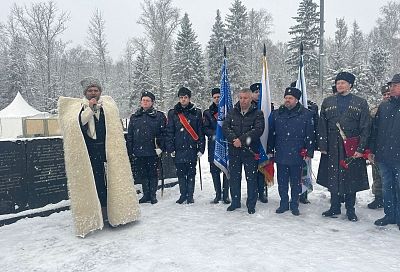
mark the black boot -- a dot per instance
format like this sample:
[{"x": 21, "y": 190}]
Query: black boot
[
  {"x": 144, "y": 199},
  {"x": 190, "y": 190},
  {"x": 216, "y": 199},
  {"x": 282, "y": 209},
  {"x": 376, "y": 204},
  {"x": 153, "y": 190},
  {"x": 225, "y": 191},
  {"x": 190, "y": 200},
  {"x": 304, "y": 198},
  {"x": 182, "y": 190},
  {"x": 386, "y": 220},
  {"x": 153, "y": 199},
  {"x": 262, "y": 198},
  {"x": 350, "y": 201},
  {"x": 331, "y": 212},
  {"x": 335, "y": 206},
  {"x": 181, "y": 199},
  {"x": 217, "y": 186},
  {"x": 351, "y": 215},
  {"x": 146, "y": 192}
]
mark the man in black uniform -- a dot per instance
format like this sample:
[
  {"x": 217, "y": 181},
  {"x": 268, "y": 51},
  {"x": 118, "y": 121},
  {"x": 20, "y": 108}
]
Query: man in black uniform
[
  {"x": 210, "y": 125},
  {"x": 145, "y": 141},
  {"x": 243, "y": 127},
  {"x": 185, "y": 142}
]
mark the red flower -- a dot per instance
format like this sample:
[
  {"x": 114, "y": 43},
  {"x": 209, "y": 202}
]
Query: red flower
[
  {"x": 366, "y": 153},
  {"x": 256, "y": 156},
  {"x": 303, "y": 152},
  {"x": 344, "y": 164}
]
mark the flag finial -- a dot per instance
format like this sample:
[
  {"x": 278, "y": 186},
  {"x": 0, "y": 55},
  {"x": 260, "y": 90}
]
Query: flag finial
[
  {"x": 224, "y": 51},
  {"x": 265, "y": 50},
  {"x": 301, "y": 48}
]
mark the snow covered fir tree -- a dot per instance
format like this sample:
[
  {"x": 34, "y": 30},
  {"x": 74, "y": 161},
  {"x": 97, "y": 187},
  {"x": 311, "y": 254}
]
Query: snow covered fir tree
[{"x": 188, "y": 66}]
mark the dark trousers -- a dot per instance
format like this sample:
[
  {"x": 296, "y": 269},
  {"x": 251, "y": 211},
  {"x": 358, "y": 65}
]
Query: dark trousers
[
  {"x": 289, "y": 174},
  {"x": 261, "y": 184},
  {"x": 146, "y": 173},
  {"x": 349, "y": 199},
  {"x": 250, "y": 169},
  {"x": 391, "y": 190},
  {"x": 186, "y": 173},
  {"x": 97, "y": 157},
  {"x": 216, "y": 176}
]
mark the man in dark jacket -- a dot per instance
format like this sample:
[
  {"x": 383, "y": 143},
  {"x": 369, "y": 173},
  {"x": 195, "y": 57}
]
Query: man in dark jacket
[
  {"x": 377, "y": 180},
  {"x": 145, "y": 141},
  {"x": 262, "y": 190},
  {"x": 185, "y": 142},
  {"x": 243, "y": 127},
  {"x": 386, "y": 147},
  {"x": 291, "y": 131},
  {"x": 314, "y": 108},
  {"x": 343, "y": 174},
  {"x": 210, "y": 125}
]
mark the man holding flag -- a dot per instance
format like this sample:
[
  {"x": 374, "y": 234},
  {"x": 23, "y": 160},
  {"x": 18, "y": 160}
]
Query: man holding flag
[
  {"x": 261, "y": 188},
  {"x": 243, "y": 126}
]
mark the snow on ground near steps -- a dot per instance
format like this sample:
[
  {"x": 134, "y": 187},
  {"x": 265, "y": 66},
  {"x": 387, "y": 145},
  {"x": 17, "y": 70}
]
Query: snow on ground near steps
[{"x": 205, "y": 237}]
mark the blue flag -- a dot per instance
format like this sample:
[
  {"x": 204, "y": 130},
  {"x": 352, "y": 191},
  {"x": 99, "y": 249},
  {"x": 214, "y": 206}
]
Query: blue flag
[{"x": 221, "y": 156}]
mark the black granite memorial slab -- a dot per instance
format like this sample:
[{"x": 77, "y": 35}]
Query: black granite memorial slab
[
  {"x": 13, "y": 185},
  {"x": 45, "y": 166}
]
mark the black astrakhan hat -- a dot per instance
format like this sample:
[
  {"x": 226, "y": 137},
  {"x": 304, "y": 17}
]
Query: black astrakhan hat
[
  {"x": 346, "y": 76},
  {"x": 395, "y": 79},
  {"x": 293, "y": 91},
  {"x": 184, "y": 91},
  {"x": 255, "y": 87},
  {"x": 148, "y": 94}
]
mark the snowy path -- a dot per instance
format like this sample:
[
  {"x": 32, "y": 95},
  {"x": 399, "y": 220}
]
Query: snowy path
[{"x": 204, "y": 237}]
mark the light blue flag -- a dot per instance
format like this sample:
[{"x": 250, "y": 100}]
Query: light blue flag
[
  {"x": 306, "y": 178},
  {"x": 221, "y": 156}
]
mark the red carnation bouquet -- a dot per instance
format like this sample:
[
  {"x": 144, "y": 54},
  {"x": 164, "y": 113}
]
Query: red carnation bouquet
[{"x": 346, "y": 162}]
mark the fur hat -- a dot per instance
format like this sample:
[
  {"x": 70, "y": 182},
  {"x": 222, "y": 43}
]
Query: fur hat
[
  {"x": 88, "y": 82},
  {"x": 293, "y": 91},
  {"x": 255, "y": 87},
  {"x": 346, "y": 76},
  {"x": 395, "y": 79},
  {"x": 184, "y": 91},
  {"x": 215, "y": 91},
  {"x": 148, "y": 94},
  {"x": 385, "y": 89}
]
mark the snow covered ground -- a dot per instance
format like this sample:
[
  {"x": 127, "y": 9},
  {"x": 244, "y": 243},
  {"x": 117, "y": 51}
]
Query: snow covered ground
[{"x": 205, "y": 237}]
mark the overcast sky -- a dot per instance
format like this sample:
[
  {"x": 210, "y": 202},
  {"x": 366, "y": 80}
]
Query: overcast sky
[{"x": 121, "y": 16}]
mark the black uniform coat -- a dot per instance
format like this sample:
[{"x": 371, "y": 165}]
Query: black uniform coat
[
  {"x": 355, "y": 121},
  {"x": 290, "y": 131},
  {"x": 144, "y": 128},
  {"x": 179, "y": 140},
  {"x": 209, "y": 127},
  {"x": 385, "y": 138},
  {"x": 248, "y": 128}
]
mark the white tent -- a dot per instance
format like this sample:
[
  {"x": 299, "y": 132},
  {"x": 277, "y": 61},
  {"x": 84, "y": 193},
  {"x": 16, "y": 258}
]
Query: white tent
[{"x": 11, "y": 117}]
